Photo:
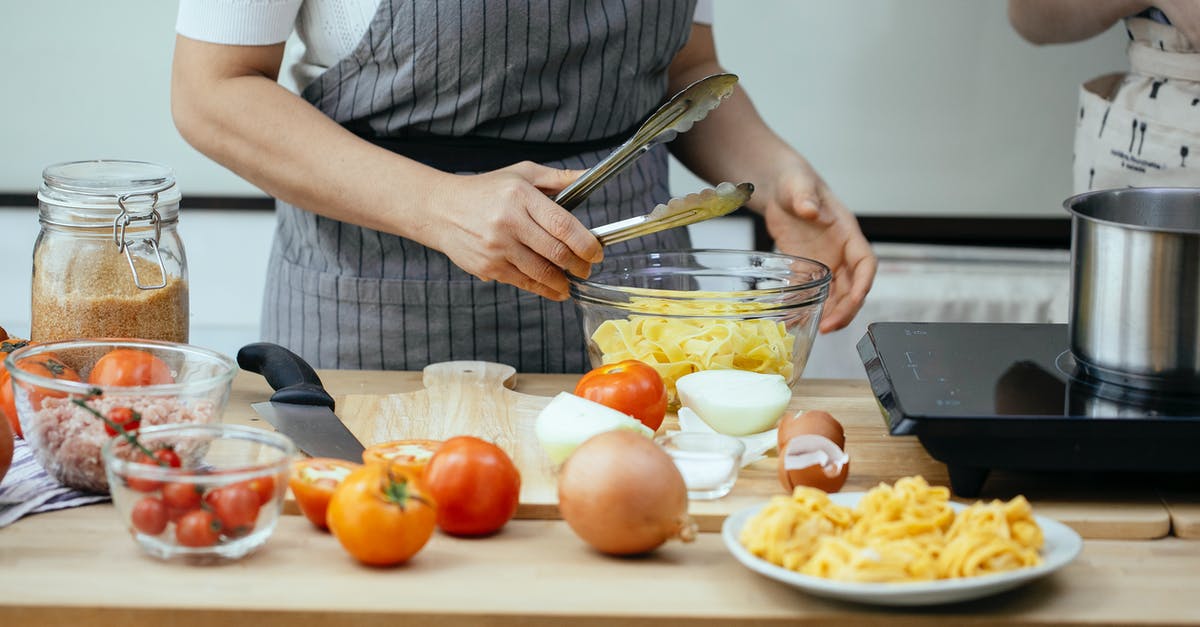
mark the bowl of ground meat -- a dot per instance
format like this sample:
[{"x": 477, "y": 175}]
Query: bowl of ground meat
[{"x": 73, "y": 396}]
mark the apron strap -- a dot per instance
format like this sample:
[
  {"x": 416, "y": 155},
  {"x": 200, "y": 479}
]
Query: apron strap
[{"x": 1147, "y": 60}]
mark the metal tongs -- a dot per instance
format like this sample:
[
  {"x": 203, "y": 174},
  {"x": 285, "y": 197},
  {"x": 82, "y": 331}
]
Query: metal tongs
[
  {"x": 676, "y": 116},
  {"x": 702, "y": 205}
]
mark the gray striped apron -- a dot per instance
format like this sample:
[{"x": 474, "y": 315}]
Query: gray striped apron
[{"x": 466, "y": 87}]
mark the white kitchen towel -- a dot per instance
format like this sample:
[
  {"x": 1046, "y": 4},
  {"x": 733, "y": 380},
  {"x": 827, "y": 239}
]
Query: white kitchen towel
[{"x": 28, "y": 489}]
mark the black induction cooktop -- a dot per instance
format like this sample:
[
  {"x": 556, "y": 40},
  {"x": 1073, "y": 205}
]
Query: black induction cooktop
[{"x": 984, "y": 396}]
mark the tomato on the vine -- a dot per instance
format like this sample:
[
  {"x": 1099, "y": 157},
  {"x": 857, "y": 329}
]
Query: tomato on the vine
[
  {"x": 123, "y": 417},
  {"x": 130, "y": 367},
  {"x": 476, "y": 486},
  {"x": 381, "y": 515},
  {"x": 198, "y": 528},
  {"x": 630, "y": 387},
  {"x": 165, "y": 456},
  {"x": 313, "y": 481}
]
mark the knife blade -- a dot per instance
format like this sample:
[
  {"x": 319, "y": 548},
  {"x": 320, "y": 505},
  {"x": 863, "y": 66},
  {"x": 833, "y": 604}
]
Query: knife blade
[{"x": 300, "y": 408}]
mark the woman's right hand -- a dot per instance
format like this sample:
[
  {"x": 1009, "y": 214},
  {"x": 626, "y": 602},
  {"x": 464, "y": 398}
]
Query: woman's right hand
[{"x": 503, "y": 226}]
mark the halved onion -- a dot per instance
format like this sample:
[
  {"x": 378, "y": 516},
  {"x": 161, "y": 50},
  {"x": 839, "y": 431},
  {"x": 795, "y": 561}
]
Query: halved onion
[
  {"x": 569, "y": 420},
  {"x": 735, "y": 402}
]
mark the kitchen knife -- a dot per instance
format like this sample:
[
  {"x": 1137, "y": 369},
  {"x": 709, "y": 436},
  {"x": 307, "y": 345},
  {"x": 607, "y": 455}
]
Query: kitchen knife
[{"x": 300, "y": 408}]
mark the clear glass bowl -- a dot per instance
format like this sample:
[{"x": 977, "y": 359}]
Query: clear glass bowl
[
  {"x": 692, "y": 310},
  {"x": 221, "y": 503},
  {"x": 49, "y": 381},
  {"x": 709, "y": 462}
]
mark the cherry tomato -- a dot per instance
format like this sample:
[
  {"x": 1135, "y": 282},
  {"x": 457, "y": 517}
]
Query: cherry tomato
[
  {"x": 181, "y": 496},
  {"x": 313, "y": 482},
  {"x": 381, "y": 515},
  {"x": 236, "y": 507},
  {"x": 475, "y": 484},
  {"x": 263, "y": 486},
  {"x": 630, "y": 387},
  {"x": 198, "y": 528},
  {"x": 149, "y": 516},
  {"x": 123, "y": 417},
  {"x": 165, "y": 456},
  {"x": 8, "y": 405},
  {"x": 411, "y": 455},
  {"x": 130, "y": 367}
]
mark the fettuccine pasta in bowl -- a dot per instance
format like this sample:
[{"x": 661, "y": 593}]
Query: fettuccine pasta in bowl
[
  {"x": 687, "y": 311},
  {"x": 905, "y": 543}
]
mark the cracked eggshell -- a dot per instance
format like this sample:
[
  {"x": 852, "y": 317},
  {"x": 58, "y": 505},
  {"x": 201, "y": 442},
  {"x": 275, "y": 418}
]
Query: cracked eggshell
[{"x": 814, "y": 461}]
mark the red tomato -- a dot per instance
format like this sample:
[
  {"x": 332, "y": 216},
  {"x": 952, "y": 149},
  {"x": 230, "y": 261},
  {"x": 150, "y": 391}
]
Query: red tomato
[
  {"x": 475, "y": 484},
  {"x": 130, "y": 367},
  {"x": 198, "y": 528},
  {"x": 236, "y": 507},
  {"x": 313, "y": 481},
  {"x": 630, "y": 387},
  {"x": 381, "y": 515},
  {"x": 165, "y": 456},
  {"x": 183, "y": 496},
  {"x": 149, "y": 516},
  {"x": 263, "y": 486},
  {"x": 123, "y": 417}
]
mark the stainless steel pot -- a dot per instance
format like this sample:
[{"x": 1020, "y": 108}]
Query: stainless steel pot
[{"x": 1135, "y": 286}]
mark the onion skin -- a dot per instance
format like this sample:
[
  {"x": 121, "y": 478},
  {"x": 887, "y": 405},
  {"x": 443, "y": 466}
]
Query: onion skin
[{"x": 623, "y": 495}]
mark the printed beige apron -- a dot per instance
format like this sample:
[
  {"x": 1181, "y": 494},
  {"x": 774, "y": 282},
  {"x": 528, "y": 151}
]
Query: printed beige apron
[
  {"x": 1142, "y": 129},
  {"x": 468, "y": 86}
]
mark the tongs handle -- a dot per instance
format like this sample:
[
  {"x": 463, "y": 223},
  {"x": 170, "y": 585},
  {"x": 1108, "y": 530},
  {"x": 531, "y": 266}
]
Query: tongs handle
[{"x": 676, "y": 116}]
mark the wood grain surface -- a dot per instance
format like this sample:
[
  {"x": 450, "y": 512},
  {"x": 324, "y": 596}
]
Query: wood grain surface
[
  {"x": 1096, "y": 507},
  {"x": 79, "y": 568}
]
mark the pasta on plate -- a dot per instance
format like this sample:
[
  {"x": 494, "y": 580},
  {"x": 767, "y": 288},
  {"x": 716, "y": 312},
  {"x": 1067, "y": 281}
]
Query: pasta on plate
[{"x": 903, "y": 532}]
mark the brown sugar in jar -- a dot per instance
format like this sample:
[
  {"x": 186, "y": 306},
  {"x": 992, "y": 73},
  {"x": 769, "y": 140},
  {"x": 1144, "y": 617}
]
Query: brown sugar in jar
[{"x": 108, "y": 261}]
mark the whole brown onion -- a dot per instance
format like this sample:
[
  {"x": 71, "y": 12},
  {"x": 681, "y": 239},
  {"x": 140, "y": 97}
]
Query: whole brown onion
[{"x": 623, "y": 495}]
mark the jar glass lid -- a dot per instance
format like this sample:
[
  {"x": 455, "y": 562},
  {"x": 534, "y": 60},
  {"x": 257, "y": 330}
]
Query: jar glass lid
[{"x": 103, "y": 184}]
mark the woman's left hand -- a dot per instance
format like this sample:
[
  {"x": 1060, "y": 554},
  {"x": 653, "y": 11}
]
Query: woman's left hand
[{"x": 806, "y": 219}]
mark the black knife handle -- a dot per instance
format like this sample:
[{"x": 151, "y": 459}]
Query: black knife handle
[{"x": 293, "y": 380}]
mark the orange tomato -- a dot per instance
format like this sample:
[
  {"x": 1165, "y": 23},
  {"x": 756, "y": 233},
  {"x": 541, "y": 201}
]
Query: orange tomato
[
  {"x": 313, "y": 482},
  {"x": 8, "y": 405},
  {"x": 130, "y": 367},
  {"x": 410, "y": 455},
  {"x": 475, "y": 484},
  {"x": 381, "y": 515},
  {"x": 630, "y": 387},
  {"x": 46, "y": 365}
]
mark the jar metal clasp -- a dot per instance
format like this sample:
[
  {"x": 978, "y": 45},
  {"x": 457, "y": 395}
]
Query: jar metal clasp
[{"x": 121, "y": 224}]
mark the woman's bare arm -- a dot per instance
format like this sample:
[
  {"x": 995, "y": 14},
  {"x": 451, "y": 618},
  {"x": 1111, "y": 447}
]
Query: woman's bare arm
[{"x": 1062, "y": 21}]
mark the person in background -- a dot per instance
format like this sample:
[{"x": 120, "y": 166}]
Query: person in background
[
  {"x": 414, "y": 167},
  {"x": 1139, "y": 129}
]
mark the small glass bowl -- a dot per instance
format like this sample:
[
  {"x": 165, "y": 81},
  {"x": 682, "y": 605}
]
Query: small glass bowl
[
  {"x": 691, "y": 310},
  {"x": 709, "y": 462},
  {"x": 48, "y": 380},
  {"x": 221, "y": 503}
]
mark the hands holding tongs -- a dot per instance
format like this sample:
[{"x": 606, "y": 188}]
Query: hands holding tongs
[{"x": 676, "y": 116}]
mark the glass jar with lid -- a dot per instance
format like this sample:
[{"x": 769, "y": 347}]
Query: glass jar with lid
[{"x": 108, "y": 261}]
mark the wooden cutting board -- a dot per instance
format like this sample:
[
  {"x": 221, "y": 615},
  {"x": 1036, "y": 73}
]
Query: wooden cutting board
[{"x": 476, "y": 398}]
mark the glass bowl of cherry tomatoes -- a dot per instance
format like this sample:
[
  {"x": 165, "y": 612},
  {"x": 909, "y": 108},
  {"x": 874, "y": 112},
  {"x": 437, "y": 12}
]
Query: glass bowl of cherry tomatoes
[
  {"x": 71, "y": 396},
  {"x": 198, "y": 492}
]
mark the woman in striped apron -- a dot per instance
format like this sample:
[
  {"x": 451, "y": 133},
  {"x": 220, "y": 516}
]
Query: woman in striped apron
[
  {"x": 413, "y": 172},
  {"x": 1135, "y": 129}
]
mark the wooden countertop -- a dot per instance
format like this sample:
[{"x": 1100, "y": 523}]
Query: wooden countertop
[{"x": 78, "y": 567}]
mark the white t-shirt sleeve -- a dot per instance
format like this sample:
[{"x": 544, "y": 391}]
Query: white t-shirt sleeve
[
  {"x": 238, "y": 22},
  {"x": 704, "y": 12}
]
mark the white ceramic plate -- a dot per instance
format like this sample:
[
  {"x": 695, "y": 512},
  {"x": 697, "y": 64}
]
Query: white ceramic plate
[{"x": 1061, "y": 546}]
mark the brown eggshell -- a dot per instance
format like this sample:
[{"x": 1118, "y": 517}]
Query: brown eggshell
[
  {"x": 812, "y": 422},
  {"x": 815, "y": 475}
]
